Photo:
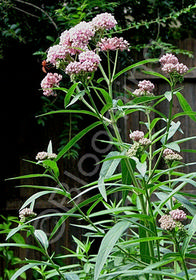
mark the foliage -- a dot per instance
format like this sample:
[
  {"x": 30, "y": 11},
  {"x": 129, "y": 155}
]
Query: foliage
[
  {"x": 143, "y": 234},
  {"x": 7, "y": 254}
]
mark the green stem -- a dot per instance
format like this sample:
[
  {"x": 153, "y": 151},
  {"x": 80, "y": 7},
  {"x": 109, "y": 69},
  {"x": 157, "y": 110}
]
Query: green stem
[{"x": 183, "y": 263}]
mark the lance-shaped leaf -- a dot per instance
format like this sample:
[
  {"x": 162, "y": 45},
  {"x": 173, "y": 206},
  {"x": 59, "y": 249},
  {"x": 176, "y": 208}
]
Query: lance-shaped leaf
[
  {"x": 107, "y": 245},
  {"x": 107, "y": 170},
  {"x": 42, "y": 237}
]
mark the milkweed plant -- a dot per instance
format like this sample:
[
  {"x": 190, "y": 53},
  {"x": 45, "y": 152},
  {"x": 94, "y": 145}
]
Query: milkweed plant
[{"x": 149, "y": 232}]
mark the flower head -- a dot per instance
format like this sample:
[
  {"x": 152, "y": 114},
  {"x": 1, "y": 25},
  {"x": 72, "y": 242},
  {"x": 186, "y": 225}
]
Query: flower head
[
  {"x": 146, "y": 85},
  {"x": 170, "y": 64},
  {"x": 136, "y": 135},
  {"x": 178, "y": 215},
  {"x": 57, "y": 52},
  {"x": 77, "y": 38},
  {"x": 26, "y": 213},
  {"x": 89, "y": 56},
  {"x": 167, "y": 222},
  {"x": 104, "y": 21},
  {"x": 51, "y": 80},
  {"x": 88, "y": 63},
  {"x": 168, "y": 58},
  {"x": 170, "y": 155},
  {"x": 44, "y": 155},
  {"x": 145, "y": 88},
  {"x": 113, "y": 44}
]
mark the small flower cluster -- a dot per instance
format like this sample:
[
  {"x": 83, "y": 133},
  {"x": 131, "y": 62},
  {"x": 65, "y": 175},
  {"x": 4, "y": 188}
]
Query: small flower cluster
[
  {"x": 51, "y": 80},
  {"x": 140, "y": 143},
  {"x": 113, "y": 44},
  {"x": 104, "y": 21},
  {"x": 169, "y": 222},
  {"x": 88, "y": 62},
  {"x": 57, "y": 52},
  {"x": 26, "y": 213},
  {"x": 169, "y": 155},
  {"x": 138, "y": 136},
  {"x": 44, "y": 155},
  {"x": 178, "y": 215},
  {"x": 145, "y": 88},
  {"x": 170, "y": 64}
]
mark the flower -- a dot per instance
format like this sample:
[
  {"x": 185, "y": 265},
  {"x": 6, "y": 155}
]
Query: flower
[
  {"x": 132, "y": 152},
  {"x": 77, "y": 38},
  {"x": 146, "y": 85},
  {"x": 171, "y": 64},
  {"x": 170, "y": 155},
  {"x": 167, "y": 222},
  {"x": 88, "y": 62},
  {"x": 73, "y": 68},
  {"x": 51, "y": 80},
  {"x": 113, "y": 44},
  {"x": 178, "y": 215},
  {"x": 145, "y": 88},
  {"x": 136, "y": 135},
  {"x": 104, "y": 21},
  {"x": 144, "y": 141},
  {"x": 26, "y": 213},
  {"x": 168, "y": 58},
  {"x": 44, "y": 155},
  {"x": 41, "y": 156},
  {"x": 57, "y": 52},
  {"x": 90, "y": 56}
]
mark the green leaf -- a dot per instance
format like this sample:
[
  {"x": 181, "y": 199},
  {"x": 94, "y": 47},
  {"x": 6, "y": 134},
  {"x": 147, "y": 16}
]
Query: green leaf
[
  {"x": 51, "y": 164},
  {"x": 107, "y": 170},
  {"x": 70, "y": 92},
  {"x": 76, "y": 98},
  {"x": 168, "y": 95},
  {"x": 22, "y": 270},
  {"x": 174, "y": 146},
  {"x": 134, "y": 66},
  {"x": 107, "y": 245},
  {"x": 105, "y": 94},
  {"x": 76, "y": 138},
  {"x": 71, "y": 276},
  {"x": 126, "y": 178},
  {"x": 30, "y": 176},
  {"x": 68, "y": 112},
  {"x": 157, "y": 75},
  {"x": 185, "y": 105},
  {"x": 190, "y": 232},
  {"x": 42, "y": 237},
  {"x": 49, "y": 149},
  {"x": 35, "y": 196}
]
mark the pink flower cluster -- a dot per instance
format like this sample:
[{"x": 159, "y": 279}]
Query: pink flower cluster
[
  {"x": 77, "y": 38},
  {"x": 145, "y": 88},
  {"x": 104, "y": 21},
  {"x": 178, "y": 215},
  {"x": 169, "y": 222},
  {"x": 45, "y": 155},
  {"x": 51, "y": 80},
  {"x": 57, "y": 52},
  {"x": 171, "y": 64},
  {"x": 136, "y": 135},
  {"x": 88, "y": 63},
  {"x": 113, "y": 44},
  {"x": 170, "y": 155}
]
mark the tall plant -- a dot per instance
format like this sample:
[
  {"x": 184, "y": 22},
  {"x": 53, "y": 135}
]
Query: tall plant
[{"x": 149, "y": 232}]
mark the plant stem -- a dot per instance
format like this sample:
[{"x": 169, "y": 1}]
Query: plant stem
[{"x": 183, "y": 263}]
